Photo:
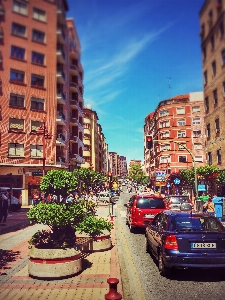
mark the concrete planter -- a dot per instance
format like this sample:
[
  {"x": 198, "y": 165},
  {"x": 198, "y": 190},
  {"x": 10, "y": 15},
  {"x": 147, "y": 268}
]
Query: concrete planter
[
  {"x": 86, "y": 243},
  {"x": 54, "y": 263}
]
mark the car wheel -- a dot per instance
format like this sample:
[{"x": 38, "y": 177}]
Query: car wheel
[
  {"x": 132, "y": 228},
  {"x": 147, "y": 249},
  {"x": 163, "y": 271}
]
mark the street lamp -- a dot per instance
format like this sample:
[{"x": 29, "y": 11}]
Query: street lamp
[{"x": 45, "y": 135}]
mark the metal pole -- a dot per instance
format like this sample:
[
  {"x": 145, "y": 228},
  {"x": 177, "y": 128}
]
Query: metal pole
[{"x": 44, "y": 151}]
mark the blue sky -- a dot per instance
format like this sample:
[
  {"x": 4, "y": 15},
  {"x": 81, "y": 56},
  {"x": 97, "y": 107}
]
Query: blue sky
[{"x": 136, "y": 53}]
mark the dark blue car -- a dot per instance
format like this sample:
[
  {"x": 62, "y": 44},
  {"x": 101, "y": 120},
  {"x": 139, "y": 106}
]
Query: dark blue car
[{"x": 186, "y": 239}]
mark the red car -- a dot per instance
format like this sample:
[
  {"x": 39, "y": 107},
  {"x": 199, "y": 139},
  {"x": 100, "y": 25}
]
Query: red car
[{"x": 141, "y": 209}]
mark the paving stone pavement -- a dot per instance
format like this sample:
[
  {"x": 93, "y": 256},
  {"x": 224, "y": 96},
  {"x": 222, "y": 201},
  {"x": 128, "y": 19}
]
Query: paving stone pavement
[{"x": 16, "y": 284}]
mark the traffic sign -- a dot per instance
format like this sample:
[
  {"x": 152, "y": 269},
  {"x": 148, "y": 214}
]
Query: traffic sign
[{"x": 176, "y": 181}]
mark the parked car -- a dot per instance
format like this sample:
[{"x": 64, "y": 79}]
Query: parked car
[
  {"x": 186, "y": 240},
  {"x": 141, "y": 209},
  {"x": 105, "y": 196},
  {"x": 15, "y": 203},
  {"x": 176, "y": 202}
]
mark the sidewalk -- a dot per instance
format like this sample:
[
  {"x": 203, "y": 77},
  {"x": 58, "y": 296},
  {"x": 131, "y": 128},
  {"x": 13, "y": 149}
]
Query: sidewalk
[{"x": 15, "y": 283}]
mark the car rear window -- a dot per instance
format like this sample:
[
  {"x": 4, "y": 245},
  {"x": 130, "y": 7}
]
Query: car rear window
[
  {"x": 150, "y": 203},
  {"x": 195, "y": 223},
  {"x": 179, "y": 199}
]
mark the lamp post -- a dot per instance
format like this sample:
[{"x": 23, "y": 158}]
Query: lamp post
[
  {"x": 192, "y": 156},
  {"x": 45, "y": 135}
]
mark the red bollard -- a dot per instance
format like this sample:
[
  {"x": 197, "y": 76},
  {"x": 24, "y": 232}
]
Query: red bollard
[
  {"x": 111, "y": 219},
  {"x": 113, "y": 294}
]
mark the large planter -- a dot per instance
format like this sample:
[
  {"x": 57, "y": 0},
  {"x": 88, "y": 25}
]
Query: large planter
[
  {"x": 87, "y": 243},
  {"x": 54, "y": 263}
]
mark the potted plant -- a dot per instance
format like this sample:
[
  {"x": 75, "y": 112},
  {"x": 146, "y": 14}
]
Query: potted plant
[{"x": 54, "y": 246}]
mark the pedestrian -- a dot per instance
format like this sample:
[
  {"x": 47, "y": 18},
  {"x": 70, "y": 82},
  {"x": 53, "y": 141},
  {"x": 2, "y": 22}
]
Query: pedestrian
[
  {"x": 209, "y": 207},
  {"x": 70, "y": 199},
  {"x": 92, "y": 197},
  {"x": 4, "y": 205},
  {"x": 35, "y": 198}
]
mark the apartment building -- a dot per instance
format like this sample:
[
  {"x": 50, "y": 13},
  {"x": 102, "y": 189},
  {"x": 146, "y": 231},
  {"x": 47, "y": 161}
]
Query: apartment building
[
  {"x": 41, "y": 92},
  {"x": 95, "y": 146},
  {"x": 114, "y": 163},
  {"x": 122, "y": 166},
  {"x": 212, "y": 33},
  {"x": 178, "y": 130}
]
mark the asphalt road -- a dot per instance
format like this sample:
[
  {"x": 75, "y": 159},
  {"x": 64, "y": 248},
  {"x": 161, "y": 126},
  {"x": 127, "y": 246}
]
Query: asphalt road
[{"x": 140, "y": 276}]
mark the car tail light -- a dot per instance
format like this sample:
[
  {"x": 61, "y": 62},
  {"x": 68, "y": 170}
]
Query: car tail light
[{"x": 171, "y": 242}]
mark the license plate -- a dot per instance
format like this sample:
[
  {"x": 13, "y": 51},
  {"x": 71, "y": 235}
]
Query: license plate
[
  {"x": 149, "y": 216},
  {"x": 203, "y": 245}
]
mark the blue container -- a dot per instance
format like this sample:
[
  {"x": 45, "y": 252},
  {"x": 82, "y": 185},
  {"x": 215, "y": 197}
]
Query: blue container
[{"x": 218, "y": 203}]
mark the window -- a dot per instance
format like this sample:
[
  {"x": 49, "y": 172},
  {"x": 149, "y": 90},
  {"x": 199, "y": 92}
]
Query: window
[
  {"x": 19, "y": 7},
  {"x": 39, "y": 14},
  {"x": 18, "y": 30},
  {"x": 212, "y": 42},
  {"x": 35, "y": 125},
  {"x": 165, "y": 134},
  {"x": 37, "y": 81},
  {"x": 217, "y": 125},
  {"x": 165, "y": 159},
  {"x": 209, "y": 158},
  {"x": 15, "y": 149},
  {"x": 224, "y": 88},
  {"x": 16, "y": 76},
  {"x": 208, "y": 130},
  {"x": 38, "y": 36},
  {"x": 17, "y": 52},
  {"x": 16, "y": 124},
  {"x": 180, "y": 110},
  {"x": 181, "y": 133},
  {"x": 223, "y": 57},
  {"x": 195, "y": 109},
  {"x": 163, "y": 113},
  {"x": 196, "y": 121},
  {"x": 198, "y": 158},
  {"x": 165, "y": 147},
  {"x": 219, "y": 156},
  {"x": 36, "y": 151},
  {"x": 164, "y": 124},
  {"x": 182, "y": 158},
  {"x": 37, "y": 104},
  {"x": 181, "y": 123},
  {"x": 204, "y": 53},
  {"x": 181, "y": 146},
  {"x": 221, "y": 29},
  {"x": 37, "y": 58},
  {"x": 207, "y": 104},
  {"x": 198, "y": 146},
  {"x": 16, "y": 100},
  {"x": 205, "y": 77},
  {"x": 196, "y": 133},
  {"x": 214, "y": 68},
  {"x": 215, "y": 97}
]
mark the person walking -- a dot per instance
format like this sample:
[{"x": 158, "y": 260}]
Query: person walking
[
  {"x": 209, "y": 207},
  {"x": 3, "y": 208}
]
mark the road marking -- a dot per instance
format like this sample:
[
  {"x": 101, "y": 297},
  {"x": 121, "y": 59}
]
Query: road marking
[{"x": 136, "y": 283}]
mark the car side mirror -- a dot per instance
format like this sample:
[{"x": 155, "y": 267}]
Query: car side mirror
[{"x": 125, "y": 204}]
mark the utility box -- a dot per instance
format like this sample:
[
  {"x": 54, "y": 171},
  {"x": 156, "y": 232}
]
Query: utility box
[{"x": 218, "y": 203}]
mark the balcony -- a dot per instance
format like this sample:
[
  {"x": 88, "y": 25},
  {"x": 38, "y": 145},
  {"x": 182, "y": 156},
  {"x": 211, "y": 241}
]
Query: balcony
[
  {"x": 2, "y": 10},
  {"x": 60, "y": 35},
  {"x": 61, "y": 15},
  {"x": 60, "y": 75},
  {"x": 73, "y": 120},
  {"x": 60, "y": 118},
  {"x": 61, "y": 139},
  {"x": 61, "y": 97},
  {"x": 73, "y": 52},
  {"x": 60, "y": 160},
  {"x": 74, "y": 103},
  {"x": 74, "y": 87},
  {"x": 61, "y": 57},
  {"x": 1, "y": 33},
  {"x": 74, "y": 68},
  {"x": 77, "y": 158},
  {"x": 74, "y": 138}
]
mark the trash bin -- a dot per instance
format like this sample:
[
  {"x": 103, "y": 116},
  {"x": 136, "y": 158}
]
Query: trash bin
[{"x": 218, "y": 203}]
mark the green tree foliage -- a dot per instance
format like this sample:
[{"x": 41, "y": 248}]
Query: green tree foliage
[
  {"x": 207, "y": 171},
  {"x": 89, "y": 177},
  {"x": 221, "y": 177},
  {"x": 187, "y": 176},
  {"x": 58, "y": 182},
  {"x": 136, "y": 174}
]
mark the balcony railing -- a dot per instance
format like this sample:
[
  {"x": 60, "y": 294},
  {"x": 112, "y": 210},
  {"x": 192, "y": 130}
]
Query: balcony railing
[
  {"x": 60, "y": 160},
  {"x": 61, "y": 138},
  {"x": 61, "y": 95},
  {"x": 61, "y": 115}
]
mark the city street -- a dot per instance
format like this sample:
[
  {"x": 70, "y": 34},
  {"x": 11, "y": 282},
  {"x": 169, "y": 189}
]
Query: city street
[{"x": 140, "y": 276}]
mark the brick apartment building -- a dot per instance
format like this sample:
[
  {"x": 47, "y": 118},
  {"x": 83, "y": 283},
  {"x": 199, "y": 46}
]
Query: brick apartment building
[
  {"x": 41, "y": 87},
  {"x": 178, "y": 119},
  {"x": 212, "y": 33},
  {"x": 95, "y": 146}
]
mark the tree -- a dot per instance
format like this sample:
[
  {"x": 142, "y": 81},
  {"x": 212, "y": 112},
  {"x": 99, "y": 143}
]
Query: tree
[
  {"x": 89, "y": 177},
  {"x": 221, "y": 177},
  {"x": 58, "y": 182},
  {"x": 136, "y": 174}
]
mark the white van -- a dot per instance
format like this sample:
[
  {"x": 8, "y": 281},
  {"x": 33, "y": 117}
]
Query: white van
[{"x": 15, "y": 203}]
